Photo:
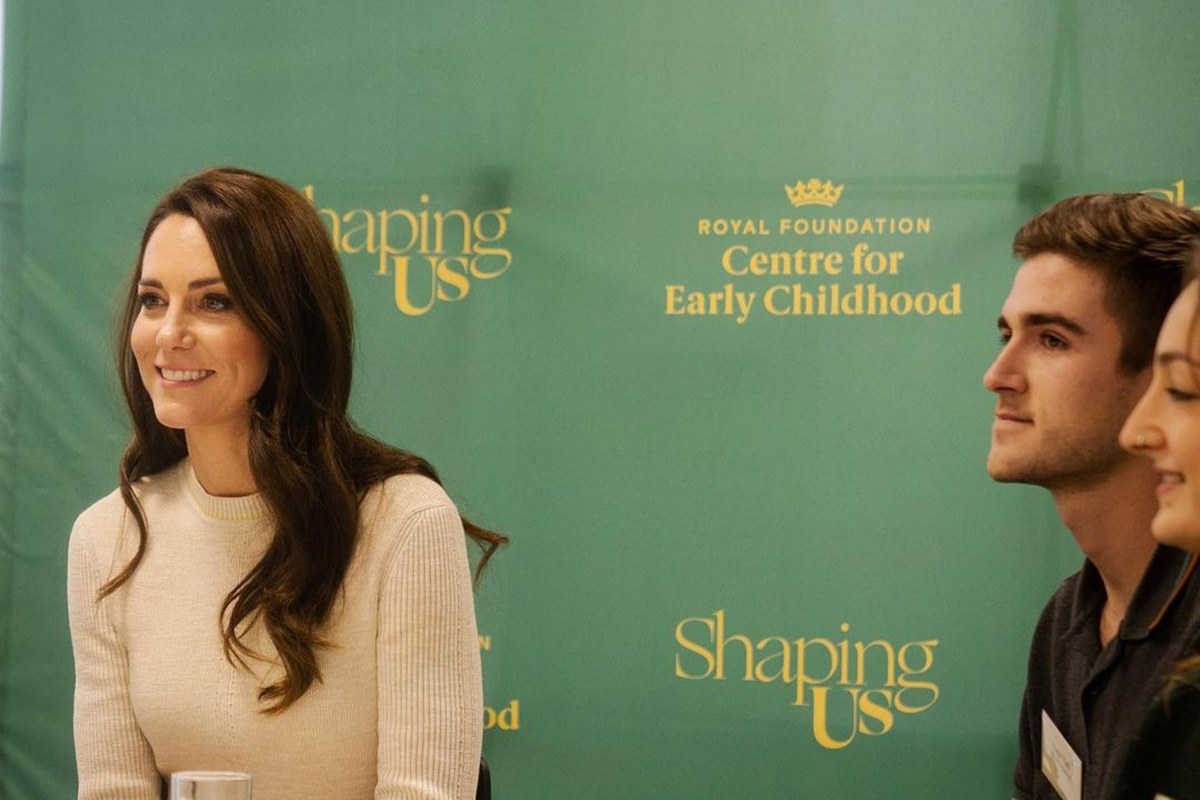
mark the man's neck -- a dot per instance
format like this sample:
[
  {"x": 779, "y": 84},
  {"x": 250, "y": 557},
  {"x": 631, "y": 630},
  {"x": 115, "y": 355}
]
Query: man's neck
[{"x": 1110, "y": 520}]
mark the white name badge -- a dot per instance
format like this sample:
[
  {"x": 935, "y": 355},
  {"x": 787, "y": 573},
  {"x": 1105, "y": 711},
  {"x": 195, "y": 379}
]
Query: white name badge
[{"x": 1060, "y": 765}]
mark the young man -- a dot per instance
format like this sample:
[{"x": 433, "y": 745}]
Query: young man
[{"x": 1098, "y": 274}]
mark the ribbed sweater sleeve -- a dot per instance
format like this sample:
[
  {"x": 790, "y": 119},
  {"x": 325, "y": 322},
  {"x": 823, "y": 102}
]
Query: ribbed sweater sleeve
[
  {"x": 430, "y": 695},
  {"x": 114, "y": 759}
]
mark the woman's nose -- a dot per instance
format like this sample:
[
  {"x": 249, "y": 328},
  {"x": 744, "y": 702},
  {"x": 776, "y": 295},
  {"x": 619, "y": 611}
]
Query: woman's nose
[
  {"x": 174, "y": 331},
  {"x": 1139, "y": 435}
]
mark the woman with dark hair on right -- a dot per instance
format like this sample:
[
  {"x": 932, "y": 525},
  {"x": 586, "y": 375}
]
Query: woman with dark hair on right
[
  {"x": 270, "y": 590},
  {"x": 1163, "y": 760}
]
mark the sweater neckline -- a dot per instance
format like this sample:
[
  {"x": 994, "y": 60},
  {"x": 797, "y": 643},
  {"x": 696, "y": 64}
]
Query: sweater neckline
[{"x": 231, "y": 509}]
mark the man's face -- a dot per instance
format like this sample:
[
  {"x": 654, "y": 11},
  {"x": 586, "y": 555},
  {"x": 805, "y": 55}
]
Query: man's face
[{"x": 1061, "y": 397}]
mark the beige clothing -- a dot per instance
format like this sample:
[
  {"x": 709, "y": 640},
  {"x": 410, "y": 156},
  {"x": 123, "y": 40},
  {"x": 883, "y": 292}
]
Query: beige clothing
[{"x": 397, "y": 714}]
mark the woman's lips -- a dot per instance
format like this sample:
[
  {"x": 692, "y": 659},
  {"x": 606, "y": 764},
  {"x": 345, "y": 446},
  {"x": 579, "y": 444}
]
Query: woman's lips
[
  {"x": 183, "y": 375},
  {"x": 1168, "y": 482}
]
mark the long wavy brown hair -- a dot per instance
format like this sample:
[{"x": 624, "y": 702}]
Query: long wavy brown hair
[{"x": 311, "y": 464}]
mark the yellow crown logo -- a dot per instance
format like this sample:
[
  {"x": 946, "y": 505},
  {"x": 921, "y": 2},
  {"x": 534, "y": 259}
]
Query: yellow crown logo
[{"x": 814, "y": 193}]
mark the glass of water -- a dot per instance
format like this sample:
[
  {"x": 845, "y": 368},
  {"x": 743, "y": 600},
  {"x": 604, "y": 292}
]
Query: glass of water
[{"x": 211, "y": 786}]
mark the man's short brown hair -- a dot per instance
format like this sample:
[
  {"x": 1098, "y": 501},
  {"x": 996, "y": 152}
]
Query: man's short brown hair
[{"x": 1139, "y": 243}]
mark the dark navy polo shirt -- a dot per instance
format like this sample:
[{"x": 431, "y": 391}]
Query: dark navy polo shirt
[{"x": 1097, "y": 697}]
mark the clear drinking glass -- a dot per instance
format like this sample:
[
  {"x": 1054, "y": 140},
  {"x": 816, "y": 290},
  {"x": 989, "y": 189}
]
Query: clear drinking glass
[{"x": 211, "y": 786}]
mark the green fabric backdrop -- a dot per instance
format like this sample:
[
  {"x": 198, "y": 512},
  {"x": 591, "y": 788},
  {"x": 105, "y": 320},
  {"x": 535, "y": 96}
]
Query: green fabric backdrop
[{"x": 681, "y": 489}]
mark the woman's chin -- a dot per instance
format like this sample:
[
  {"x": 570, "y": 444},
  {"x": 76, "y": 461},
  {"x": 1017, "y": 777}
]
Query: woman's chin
[
  {"x": 1185, "y": 537},
  {"x": 170, "y": 421}
]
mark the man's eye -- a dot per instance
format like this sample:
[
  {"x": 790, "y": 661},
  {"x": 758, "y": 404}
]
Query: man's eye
[
  {"x": 1180, "y": 395},
  {"x": 1053, "y": 342}
]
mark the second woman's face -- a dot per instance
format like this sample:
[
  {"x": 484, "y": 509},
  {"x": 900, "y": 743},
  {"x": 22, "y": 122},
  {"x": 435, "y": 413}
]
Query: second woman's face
[
  {"x": 1165, "y": 425},
  {"x": 199, "y": 359}
]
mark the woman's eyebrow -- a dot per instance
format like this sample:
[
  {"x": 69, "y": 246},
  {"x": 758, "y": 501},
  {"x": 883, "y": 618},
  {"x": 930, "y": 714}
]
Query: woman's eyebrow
[{"x": 196, "y": 284}]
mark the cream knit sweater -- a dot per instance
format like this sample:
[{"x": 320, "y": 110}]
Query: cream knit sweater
[{"x": 397, "y": 713}]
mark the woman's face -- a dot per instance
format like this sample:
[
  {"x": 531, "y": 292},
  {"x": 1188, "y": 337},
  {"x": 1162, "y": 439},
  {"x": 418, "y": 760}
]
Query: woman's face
[
  {"x": 1165, "y": 425},
  {"x": 199, "y": 359}
]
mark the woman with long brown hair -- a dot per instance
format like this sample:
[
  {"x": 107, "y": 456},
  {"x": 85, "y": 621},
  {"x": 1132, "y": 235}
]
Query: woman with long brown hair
[
  {"x": 270, "y": 589},
  {"x": 1163, "y": 760}
]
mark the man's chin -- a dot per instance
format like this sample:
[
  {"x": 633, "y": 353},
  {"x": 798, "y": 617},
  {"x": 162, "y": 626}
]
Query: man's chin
[{"x": 1003, "y": 471}]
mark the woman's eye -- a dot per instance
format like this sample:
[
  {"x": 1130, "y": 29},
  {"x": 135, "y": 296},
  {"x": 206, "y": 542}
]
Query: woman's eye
[
  {"x": 216, "y": 302},
  {"x": 149, "y": 300},
  {"x": 1180, "y": 395}
]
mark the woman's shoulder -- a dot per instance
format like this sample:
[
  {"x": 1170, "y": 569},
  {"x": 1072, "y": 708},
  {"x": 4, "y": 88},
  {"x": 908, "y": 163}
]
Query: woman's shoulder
[
  {"x": 404, "y": 495},
  {"x": 97, "y": 530},
  {"x": 104, "y": 513},
  {"x": 407, "y": 520},
  {"x": 108, "y": 514},
  {"x": 405, "y": 508}
]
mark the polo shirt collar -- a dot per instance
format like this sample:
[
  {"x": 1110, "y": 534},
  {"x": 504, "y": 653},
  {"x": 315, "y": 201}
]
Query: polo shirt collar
[{"x": 1166, "y": 576}]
